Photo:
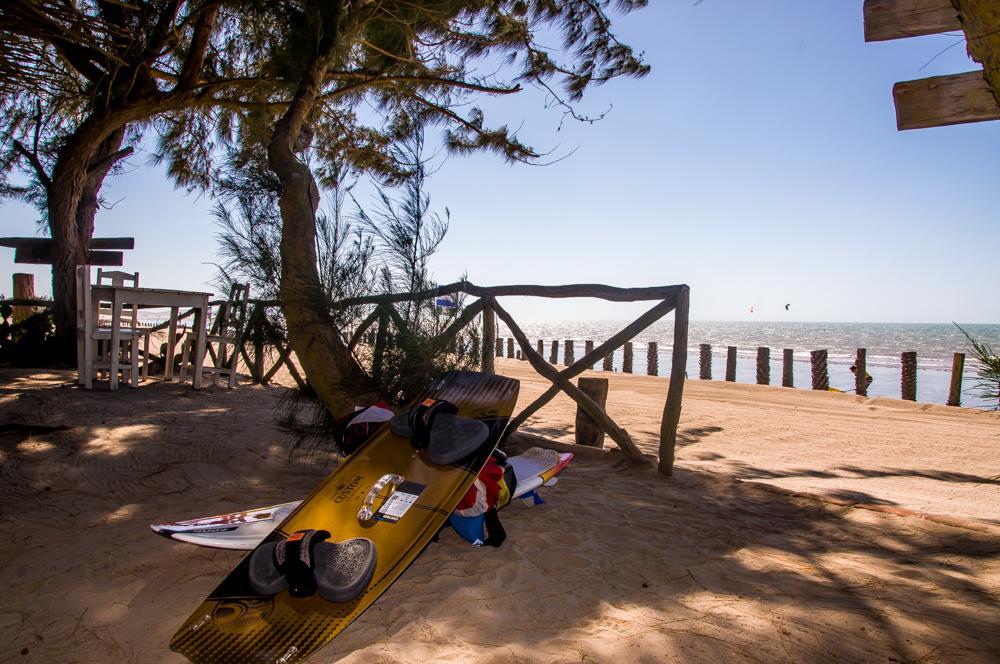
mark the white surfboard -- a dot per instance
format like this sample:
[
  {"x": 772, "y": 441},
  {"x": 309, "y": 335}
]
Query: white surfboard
[{"x": 244, "y": 530}]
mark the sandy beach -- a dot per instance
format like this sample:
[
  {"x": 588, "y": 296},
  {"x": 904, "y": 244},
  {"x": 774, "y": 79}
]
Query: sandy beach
[{"x": 798, "y": 527}]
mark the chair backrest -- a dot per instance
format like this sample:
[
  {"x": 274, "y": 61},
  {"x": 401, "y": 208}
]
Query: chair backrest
[
  {"x": 233, "y": 313},
  {"x": 117, "y": 278}
]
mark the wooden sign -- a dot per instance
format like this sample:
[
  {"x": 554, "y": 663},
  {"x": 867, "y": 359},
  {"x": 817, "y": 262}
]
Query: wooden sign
[
  {"x": 898, "y": 19},
  {"x": 38, "y": 250},
  {"x": 944, "y": 100}
]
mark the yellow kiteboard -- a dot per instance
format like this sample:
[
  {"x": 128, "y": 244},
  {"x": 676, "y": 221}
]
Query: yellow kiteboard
[{"x": 388, "y": 495}]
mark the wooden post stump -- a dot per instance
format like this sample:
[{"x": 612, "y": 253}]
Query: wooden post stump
[
  {"x": 519, "y": 356},
  {"x": 554, "y": 353},
  {"x": 861, "y": 373},
  {"x": 908, "y": 376},
  {"x": 820, "y": 377},
  {"x": 569, "y": 355},
  {"x": 609, "y": 362},
  {"x": 731, "y": 364},
  {"x": 787, "y": 368},
  {"x": 627, "y": 358},
  {"x": 540, "y": 347},
  {"x": 652, "y": 360},
  {"x": 24, "y": 289},
  {"x": 510, "y": 347},
  {"x": 763, "y": 365},
  {"x": 955, "y": 390},
  {"x": 588, "y": 347},
  {"x": 499, "y": 347},
  {"x": 705, "y": 361},
  {"x": 587, "y": 431}
]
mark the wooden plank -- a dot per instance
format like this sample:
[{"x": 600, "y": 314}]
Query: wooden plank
[
  {"x": 899, "y": 19},
  {"x": 40, "y": 255},
  {"x": 944, "y": 100},
  {"x": 95, "y": 243},
  {"x": 675, "y": 388}
]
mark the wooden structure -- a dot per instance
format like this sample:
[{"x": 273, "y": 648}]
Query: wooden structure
[
  {"x": 955, "y": 389},
  {"x": 587, "y": 430},
  {"x": 227, "y": 331},
  {"x": 820, "y": 376},
  {"x": 38, "y": 250},
  {"x": 705, "y": 361},
  {"x": 788, "y": 367},
  {"x": 943, "y": 100},
  {"x": 652, "y": 359},
  {"x": 120, "y": 296},
  {"x": 908, "y": 375},
  {"x": 731, "y": 364},
  {"x": 671, "y": 298},
  {"x": 861, "y": 373},
  {"x": 763, "y": 365},
  {"x": 627, "y": 357}
]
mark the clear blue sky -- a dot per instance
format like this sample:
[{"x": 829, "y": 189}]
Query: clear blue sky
[{"x": 759, "y": 163}]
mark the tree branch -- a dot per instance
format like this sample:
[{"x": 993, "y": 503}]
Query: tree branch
[{"x": 35, "y": 164}]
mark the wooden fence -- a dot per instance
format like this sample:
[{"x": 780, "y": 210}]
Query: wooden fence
[{"x": 261, "y": 344}]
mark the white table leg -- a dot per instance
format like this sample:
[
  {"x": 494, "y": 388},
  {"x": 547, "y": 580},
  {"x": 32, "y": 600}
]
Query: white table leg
[
  {"x": 168, "y": 369},
  {"x": 116, "y": 334}
]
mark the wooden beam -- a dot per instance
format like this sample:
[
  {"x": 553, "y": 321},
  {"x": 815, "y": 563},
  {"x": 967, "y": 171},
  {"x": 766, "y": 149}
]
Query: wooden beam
[
  {"x": 596, "y": 413},
  {"x": 981, "y": 22},
  {"x": 604, "y": 350},
  {"x": 899, "y": 19},
  {"x": 675, "y": 389},
  {"x": 944, "y": 100},
  {"x": 95, "y": 243},
  {"x": 38, "y": 255}
]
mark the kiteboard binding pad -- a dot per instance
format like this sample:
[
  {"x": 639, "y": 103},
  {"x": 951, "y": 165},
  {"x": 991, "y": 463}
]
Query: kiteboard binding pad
[
  {"x": 246, "y": 529},
  {"x": 390, "y": 494}
]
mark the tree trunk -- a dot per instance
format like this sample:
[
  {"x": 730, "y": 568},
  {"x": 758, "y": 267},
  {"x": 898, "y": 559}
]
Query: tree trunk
[
  {"x": 73, "y": 197},
  {"x": 331, "y": 369}
]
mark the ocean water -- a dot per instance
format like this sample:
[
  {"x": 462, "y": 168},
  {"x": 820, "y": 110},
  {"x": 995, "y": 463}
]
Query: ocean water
[{"x": 934, "y": 344}]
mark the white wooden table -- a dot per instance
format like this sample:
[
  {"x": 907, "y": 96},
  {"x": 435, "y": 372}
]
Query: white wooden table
[{"x": 144, "y": 298}]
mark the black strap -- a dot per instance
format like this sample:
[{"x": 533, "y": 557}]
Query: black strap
[
  {"x": 294, "y": 557},
  {"x": 495, "y": 534},
  {"x": 422, "y": 419}
]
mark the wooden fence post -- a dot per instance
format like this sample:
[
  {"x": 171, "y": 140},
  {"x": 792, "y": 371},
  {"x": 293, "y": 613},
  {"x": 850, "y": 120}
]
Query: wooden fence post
[
  {"x": 540, "y": 346},
  {"x": 499, "y": 347},
  {"x": 955, "y": 391},
  {"x": 588, "y": 347},
  {"x": 820, "y": 377},
  {"x": 908, "y": 375},
  {"x": 554, "y": 352},
  {"x": 587, "y": 431},
  {"x": 24, "y": 289},
  {"x": 787, "y": 368},
  {"x": 569, "y": 355},
  {"x": 861, "y": 373},
  {"x": 510, "y": 347},
  {"x": 731, "y": 364},
  {"x": 609, "y": 362},
  {"x": 763, "y": 365},
  {"x": 652, "y": 360},
  {"x": 627, "y": 358},
  {"x": 489, "y": 338},
  {"x": 705, "y": 361}
]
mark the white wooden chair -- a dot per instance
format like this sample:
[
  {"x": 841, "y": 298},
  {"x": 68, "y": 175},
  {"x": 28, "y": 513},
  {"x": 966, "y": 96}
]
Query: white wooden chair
[
  {"x": 227, "y": 330},
  {"x": 130, "y": 334}
]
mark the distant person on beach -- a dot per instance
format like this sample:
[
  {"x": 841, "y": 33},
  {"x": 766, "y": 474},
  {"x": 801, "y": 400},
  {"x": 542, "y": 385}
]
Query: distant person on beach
[{"x": 868, "y": 376}]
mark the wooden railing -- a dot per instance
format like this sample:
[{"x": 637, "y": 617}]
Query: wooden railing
[{"x": 260, "y": 336}]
